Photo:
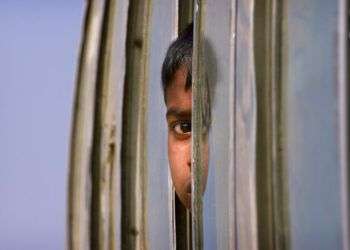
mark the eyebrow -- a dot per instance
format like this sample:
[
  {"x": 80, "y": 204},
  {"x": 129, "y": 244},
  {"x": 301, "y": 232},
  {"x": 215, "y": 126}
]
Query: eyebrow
[{"x": 178, "y": 112}]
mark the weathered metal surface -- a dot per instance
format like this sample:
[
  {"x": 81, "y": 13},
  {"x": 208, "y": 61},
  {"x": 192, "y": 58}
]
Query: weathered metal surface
[
  {"x": 134, "y": 147},
  {"x": 163, "y": 29},
  {"x": 279, "y": 173},
  {"x": 96, "y": 131},
  {"x": 315, "y": 122},
  {"x": 198, "y": 133},
  {"x": 103, "y": 151},
  {"x": 245, "y": 129},
  {"x": 79, "y": 191},
  {"x": 271, "y": 177}
]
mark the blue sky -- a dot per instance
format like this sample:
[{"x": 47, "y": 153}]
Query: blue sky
[{"x": 39, "y": 46}]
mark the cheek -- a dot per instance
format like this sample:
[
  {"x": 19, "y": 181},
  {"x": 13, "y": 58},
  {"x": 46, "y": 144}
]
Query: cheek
[{"x": 178, "y": 157}]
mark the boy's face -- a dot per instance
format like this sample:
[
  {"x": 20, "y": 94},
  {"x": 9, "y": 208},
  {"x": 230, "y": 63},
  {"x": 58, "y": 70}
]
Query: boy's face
[{"x": 179, "y": 108}]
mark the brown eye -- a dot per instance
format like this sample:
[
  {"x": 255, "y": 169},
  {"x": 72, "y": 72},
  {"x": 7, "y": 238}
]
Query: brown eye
[{"x": 183, "y": 128}]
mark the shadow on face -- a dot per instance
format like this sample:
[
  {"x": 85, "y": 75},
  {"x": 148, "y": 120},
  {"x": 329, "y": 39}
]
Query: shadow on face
[{"x": 179, "y": 112}]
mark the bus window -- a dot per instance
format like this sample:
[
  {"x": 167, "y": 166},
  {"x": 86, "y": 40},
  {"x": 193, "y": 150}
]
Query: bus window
[{"x": 235, "y": 136}]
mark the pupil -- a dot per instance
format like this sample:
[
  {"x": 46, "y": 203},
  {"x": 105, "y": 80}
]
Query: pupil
[{"x": 186, "y": 127}]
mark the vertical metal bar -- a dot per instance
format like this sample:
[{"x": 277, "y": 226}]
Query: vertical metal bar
[
  {"x": 103, "y": 151},
  {"x": 94, "y": 170},
  {"x": 198, "y": 121},
  {"x": 82, "y": 130},
  {"x": 343, "y": 114},
  {"x": 232, "y": 90},
  {"x": 245, "y": 136},
  {"x": 134, "y": 164},
  {"x": 271, "y": 173},
  {"x": 279, "y": 173}
]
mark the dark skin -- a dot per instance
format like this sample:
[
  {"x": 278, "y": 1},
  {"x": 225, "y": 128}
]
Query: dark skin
[{"x": 179, "y": 111}]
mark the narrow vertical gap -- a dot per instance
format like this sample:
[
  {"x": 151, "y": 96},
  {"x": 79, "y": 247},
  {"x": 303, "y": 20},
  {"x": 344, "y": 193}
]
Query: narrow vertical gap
[
  {"x": 182, "y": 226},
  {"x": 182, "y": 215},
  {"x": 262, "y": 35},
  {"x": 185, "y": 14},
  {"x": 189, "y": 229}
]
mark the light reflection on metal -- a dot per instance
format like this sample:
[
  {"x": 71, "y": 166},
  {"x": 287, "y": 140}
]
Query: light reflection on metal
[
  {"x": 82, "y": 131},
  {"x": 92, "y": 182},
  {"x": 134, "y": 148},
  {"x": 245, "y": 129},
  {"x": 343, "y": 114}
]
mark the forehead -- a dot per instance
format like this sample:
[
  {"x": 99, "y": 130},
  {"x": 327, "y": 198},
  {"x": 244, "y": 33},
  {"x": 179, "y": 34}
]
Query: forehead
[{"x": 177, "y": 95}]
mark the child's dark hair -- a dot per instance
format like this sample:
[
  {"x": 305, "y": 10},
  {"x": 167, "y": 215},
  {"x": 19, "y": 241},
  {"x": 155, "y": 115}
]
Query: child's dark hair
[{"x": 179, "y": 54}]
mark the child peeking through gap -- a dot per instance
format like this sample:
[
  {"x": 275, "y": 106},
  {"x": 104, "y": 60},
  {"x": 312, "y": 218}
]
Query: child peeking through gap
[{"x": 177, "y": 89}]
